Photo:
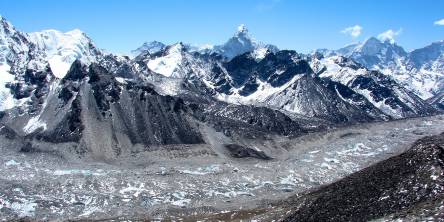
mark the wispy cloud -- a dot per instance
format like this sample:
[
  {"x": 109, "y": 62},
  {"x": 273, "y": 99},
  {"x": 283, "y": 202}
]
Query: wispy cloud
[
  {"x": 353, "y": 31},
  {"x": 439, "y": 22},
  {"x": 267, "y": 5},
  {"x": 389, "y": 35}
]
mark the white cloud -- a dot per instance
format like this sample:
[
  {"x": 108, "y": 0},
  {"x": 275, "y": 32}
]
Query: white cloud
[
  {"x": 439, "y": 22},
  {"x": 267, "y": 5},
  {"x": 353, "y": 31},
  {"x": 389, "y": 35}
]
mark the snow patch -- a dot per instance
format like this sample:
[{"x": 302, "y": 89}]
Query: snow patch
[
  {"x": 260, "y": 53},
  {"x": 381, "y": 105},
  {"x": 291, "y": 179},
  {"x": 203, "y": 170},
  {"x": 62, "y": 49},
  {"x": 22, "y": 207},
  {"x": 262, "y": 94},
  {"x": 7, "y": 101},
  {"x": 76, "y": 171},
  {"x": 33, "y": 124},
  {"x": 135, "y": 190},
  {"x": 166, "y": 65},
  {"x": 12, "y": 163}
]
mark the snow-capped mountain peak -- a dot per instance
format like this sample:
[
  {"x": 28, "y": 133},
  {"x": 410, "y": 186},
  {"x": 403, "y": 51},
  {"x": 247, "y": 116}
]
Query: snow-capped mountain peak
[
  {"x": 149, "y": 47},
  {"x": 62, "y": 49},
  {"x": 375, "y": 54},
  {"x": 14, "y": 51},
  {"x": 420, "y": 70},
  {"x": 169, "y": 61},
  {"x": 242, "y": 30},
  {"x": 240, "y": 43}
]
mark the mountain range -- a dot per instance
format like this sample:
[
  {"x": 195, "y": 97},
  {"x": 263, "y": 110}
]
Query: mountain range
[{"x": 60, "y": 88}]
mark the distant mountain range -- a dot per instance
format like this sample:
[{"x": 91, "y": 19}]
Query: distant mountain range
[
  {"x": 420, "y": 70},
  {"x": 59, "y": 87}
]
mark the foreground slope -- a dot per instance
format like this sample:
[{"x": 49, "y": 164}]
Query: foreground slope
[{"x": 410, "y": 183}]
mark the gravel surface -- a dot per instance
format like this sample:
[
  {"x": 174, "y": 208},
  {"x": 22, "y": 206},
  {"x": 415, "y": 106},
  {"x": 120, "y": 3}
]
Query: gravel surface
[{"x": 193, "y": 180}]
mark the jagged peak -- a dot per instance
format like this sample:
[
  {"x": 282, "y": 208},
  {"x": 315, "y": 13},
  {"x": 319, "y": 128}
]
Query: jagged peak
[
  {"x": 149, "y": 47},
  {"x": 179, "y": 46},
  {"x": 5, "y": 23},
  {"x": 372, "y": 40},
  {"x": 379, "y": 41},
  {"x": 242, "y": 30},
  {"x": 374, "y": 45},
  {"x": 243, "y": 34},
  {"x": 155, "y": 42}
]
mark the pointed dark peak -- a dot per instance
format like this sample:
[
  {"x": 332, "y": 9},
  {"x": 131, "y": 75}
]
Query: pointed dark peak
[{"x": 77, "y": 71}]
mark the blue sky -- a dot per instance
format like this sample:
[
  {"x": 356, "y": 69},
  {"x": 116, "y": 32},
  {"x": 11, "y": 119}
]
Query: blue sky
[{"x": 120, "y": 26}]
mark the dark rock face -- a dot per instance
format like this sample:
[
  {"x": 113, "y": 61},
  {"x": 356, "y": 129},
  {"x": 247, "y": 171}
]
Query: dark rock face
[
  {"x": 33, "y": 85},
  {"x": 345, "y": 92},
  {"x": 241, "y": 68},
  {"x": 8, "y": 132},
  {"x": 319, "y": 98},
  {"x": 359, "y": 101},
  {"x": 246, "y": 121},
  {"x": 276, "y": 69},
  {"x": 32, "y": 80},
  {"x": 134, "y": 110},
  {"x": 221, "y": 82},
  {"x": 403, "y": 182},
  {"x": 238, "y": 151},
  {"x": 155, "y": 119},
  {"x": 69, "y": 129},
  {"x": 19, "y": 91},
  {"x": 76, "y": 72},
  {"x": 437, "y": 101},
  {"x": 382, "y": 89},
  {"x": 308, "y": 94},
  {"x": 105, "y": 87},
  {"x": 27, "y": 148}
]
